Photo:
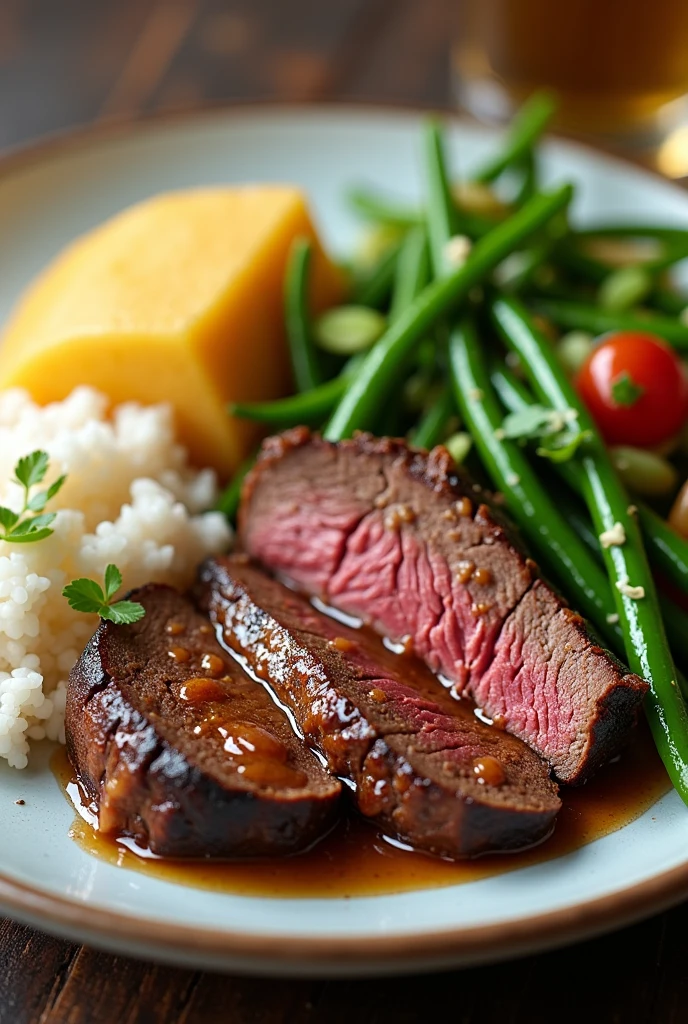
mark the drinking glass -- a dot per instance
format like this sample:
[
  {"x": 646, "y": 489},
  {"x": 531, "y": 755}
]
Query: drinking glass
[{"x": 619, "y": 67}]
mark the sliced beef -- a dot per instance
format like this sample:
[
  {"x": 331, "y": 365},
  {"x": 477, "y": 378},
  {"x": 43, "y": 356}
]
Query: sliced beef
[
  {"x": 424, "y": 768},
  {"x": 398, "y": 538},
  {"x": 177, "y": 746}
]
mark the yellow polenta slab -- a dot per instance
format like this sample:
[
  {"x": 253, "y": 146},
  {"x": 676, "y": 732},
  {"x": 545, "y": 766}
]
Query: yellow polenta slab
[{"x": 177, "y": 299}]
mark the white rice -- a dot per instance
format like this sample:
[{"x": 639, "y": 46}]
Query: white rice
[{"x": 130, "y": 498}]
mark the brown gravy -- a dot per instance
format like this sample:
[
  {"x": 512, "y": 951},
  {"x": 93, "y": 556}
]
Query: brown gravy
[{"x": 354, "y": 860}]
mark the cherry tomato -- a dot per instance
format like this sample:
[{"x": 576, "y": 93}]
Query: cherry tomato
[{"x": 636, "y": 389}]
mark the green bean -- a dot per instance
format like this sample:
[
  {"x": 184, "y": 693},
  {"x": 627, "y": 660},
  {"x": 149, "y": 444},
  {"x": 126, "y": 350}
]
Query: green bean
[
  {"x": 523, "y": 269},
  {"x": 432, "y": 428},
  {"x": 669, "y": 301},
  {"x": 674, "y": 240},
  {"x": 595, "y": 271},
  {"x": 441, "y": 216},
  {"x": 660, "y": 232},
  {"x": 585, "y": 317},
  {"x": 529, "y": 182},
  {"x": 647, "y": 649},
  {"x": 368, "y": 390},
  {"x": 515, "y": 397},
  {"x": 512, "y": 392},
  {"x": 310, "y": 407},
  {"x": 673, "y": 243},
  {"x": 412, "y": 271},
  {"x": 413, "y": 274},
  {"x": 526, "y": 127},
  {"x": 587, "y": 267},
  {"x": 372, "y": 245},
  {"x": 526, "y": 498},
  {"x": 373, "y": 289},
  {"x": 304, "y": 359},
  {"x": 528, "y": 124},
  {"x": 228, "y": 502},
  {"x": 375, "y": 208},
  {"x": 668, "y": 551},
  {"x": 570, "y": 257},
  {"x": 381, "y": 209},
  {"x": 676, "y": 625},
  {"x": 410, "y": 276},
  {"x": 675, "y": 619}
]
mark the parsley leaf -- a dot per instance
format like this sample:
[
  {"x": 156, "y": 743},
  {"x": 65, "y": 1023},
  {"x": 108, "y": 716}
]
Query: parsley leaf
[
  {"x": 565, "y": 447},
  {"x": 113, "y": 581},
  {"x": 38, "y": 502},
  {"x": 556, "y": 431},
  {"x": 41, "y": 499},
  {"x": 29, "y": 538},
  {"x": 8, "y": 518},
  {"x": 31, "y": 469},
  {"x": 56, "y": 486},
  {"x": 30, "y": 530},
  {"x": 34, "y": 524},
  {"x": 85, "y": 595},
  {"x": 124, "y": 612},
  {"x": 532, "y": 421},
  {"x": 17, "y": 527},
  {"x": 625, "y": 391}
]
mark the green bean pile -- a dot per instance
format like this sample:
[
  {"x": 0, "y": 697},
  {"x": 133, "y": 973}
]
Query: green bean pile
[{"x": 469, "y": 315}]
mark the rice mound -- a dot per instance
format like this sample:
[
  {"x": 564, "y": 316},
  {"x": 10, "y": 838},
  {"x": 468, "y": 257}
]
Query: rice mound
[{"x": 130, "y": 498}]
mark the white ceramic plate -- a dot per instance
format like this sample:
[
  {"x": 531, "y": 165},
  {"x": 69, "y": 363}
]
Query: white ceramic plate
[{"x": 49, "y": 196}]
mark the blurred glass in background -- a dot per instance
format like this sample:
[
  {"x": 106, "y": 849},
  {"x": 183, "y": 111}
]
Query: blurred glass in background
[{"x": 619, "y": 67}]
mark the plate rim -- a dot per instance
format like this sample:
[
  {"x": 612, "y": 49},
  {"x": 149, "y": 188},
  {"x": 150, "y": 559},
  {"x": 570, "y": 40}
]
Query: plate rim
[
  {"x": 24, "y": 155},
  {"x": 345, "y": 954}
]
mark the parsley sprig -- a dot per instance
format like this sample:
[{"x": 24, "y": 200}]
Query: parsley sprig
[
  {"x": 22, "y": 527},
  {"x": 558, "y": 434},
  {"x": 85, "y": 595}
]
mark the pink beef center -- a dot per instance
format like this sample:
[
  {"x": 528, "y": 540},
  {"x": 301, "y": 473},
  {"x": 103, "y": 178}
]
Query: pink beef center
[
  {"x": 307, "y": 544},
  {"x": 391, "y": 580}
]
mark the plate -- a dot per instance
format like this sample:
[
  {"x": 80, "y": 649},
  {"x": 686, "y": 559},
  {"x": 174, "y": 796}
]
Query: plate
[{"x": 47, "y": 197}]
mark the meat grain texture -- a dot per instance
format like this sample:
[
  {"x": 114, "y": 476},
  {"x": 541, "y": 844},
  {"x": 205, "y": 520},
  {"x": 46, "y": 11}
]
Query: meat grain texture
[
  {"x": 176, "y": 746},
  {"x": 398, "y": 538},
  {"x": 423, "y": 767}
]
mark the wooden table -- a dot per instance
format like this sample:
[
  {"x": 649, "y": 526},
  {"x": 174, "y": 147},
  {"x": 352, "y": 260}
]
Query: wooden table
[{"x": 65, "y": 62}]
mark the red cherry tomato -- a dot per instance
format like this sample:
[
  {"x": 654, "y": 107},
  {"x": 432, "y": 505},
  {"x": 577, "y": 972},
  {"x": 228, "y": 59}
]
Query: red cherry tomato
[{"x": 636, "y": 389}]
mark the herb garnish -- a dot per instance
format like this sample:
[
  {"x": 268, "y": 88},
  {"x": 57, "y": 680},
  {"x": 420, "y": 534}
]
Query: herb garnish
[
  {"x": 86, "y": 595},
  {"x": 625, "y": 391},
  {"x": 559, "y": 438},
  {"x": 18, "y": 527}
]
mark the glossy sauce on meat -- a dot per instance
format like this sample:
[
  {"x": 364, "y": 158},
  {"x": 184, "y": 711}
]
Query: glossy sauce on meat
[
  {"x": 421, "y": 764},
  {"x": 354, "y": 860}
]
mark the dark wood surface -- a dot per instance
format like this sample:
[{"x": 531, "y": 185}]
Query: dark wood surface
[{"x": 68, "y": 62}]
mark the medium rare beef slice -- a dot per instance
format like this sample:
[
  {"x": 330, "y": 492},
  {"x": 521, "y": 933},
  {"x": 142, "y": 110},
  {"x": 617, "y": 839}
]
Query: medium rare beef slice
[
  {"x": 177, "y": 746},
  {"x": 399, "y": 539},
  {"x": 425, "y": 769}
]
